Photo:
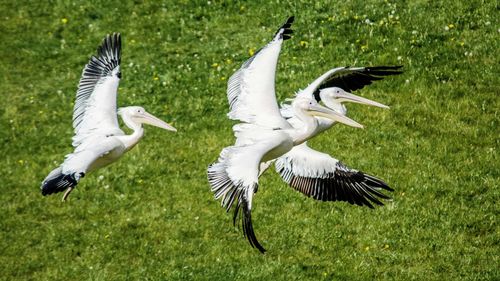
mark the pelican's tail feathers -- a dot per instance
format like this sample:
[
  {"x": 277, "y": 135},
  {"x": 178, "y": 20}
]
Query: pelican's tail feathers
[{"x": 56, "y": 181}]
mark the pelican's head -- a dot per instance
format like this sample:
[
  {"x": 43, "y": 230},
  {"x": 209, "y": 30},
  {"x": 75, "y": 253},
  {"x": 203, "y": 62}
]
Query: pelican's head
[
  {"x": 311, "y": 107},
  {"x": 139, "y": 115},
  {"x": 334, "y": 97}
]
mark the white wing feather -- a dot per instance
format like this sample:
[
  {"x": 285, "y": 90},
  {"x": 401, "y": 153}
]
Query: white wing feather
[
  {"x": 325, "y": 178},
  {"x": 95, "y": 105},
  {"x": 251, "y": 91}
]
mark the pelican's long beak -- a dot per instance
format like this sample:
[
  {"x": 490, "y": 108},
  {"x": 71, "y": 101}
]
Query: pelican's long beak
[
  {"x": 348, "y": 97},
  {"x": 319, "y": 110},
  {"x": 153, "y": 120}
]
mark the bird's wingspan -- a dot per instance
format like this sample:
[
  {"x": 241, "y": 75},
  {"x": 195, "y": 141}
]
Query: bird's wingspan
[
  {"x": 322, "y": 177},
  {"x": 349, "y": 78},
  {"x": 251, "y": 92},
  {"x": 95, "y": 105}
]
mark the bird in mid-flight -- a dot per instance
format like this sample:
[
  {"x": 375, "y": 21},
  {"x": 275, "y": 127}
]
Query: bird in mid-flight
[
  {"x": 264, "y": 133},
  {"x": 98, "y": 139}
]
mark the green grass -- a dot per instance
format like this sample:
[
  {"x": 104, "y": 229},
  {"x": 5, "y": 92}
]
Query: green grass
[{"x": 151, "y": 216}]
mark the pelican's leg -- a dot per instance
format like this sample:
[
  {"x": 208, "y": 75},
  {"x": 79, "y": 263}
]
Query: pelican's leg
[{"x": 66, "y": 194}]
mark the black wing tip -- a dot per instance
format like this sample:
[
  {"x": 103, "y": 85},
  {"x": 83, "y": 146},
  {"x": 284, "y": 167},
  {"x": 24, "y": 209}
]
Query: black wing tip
[
  {"x": 385, "y": 70},
  {"x": 353, "y": 187},
  {"x": 110, "y": 47},
  {"x": 59, "y": 183},
  {"x": 248, "y": 230},
  {"x": 285, "y": 29},
  {"x": 376, "y": 182}
]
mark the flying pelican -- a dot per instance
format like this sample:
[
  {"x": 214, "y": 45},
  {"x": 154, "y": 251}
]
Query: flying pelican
[
  {"x": 264, "y": 134},
  {"x": 331, "y": 89},
  {"x": 98, "y": 139},
  {"x": 316, "y": 174}
]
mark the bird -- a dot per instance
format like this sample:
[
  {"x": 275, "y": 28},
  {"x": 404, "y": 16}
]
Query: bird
[
  {"x": 331, "y": 89},
  {"x": 317, "y": 174},
  {"x": 263, "y": 134},
  {"x": 98, "y": 140}
]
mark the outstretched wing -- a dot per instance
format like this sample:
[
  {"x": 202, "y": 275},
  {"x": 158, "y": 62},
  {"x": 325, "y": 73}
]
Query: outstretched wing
[
  {"x": 250, "y": 90},
  {"x": 95, "y": 105},
  {"x": 349, "y": 78},
  {"x": 322, "y": 177},
  {"x": 234, "y": 178}
]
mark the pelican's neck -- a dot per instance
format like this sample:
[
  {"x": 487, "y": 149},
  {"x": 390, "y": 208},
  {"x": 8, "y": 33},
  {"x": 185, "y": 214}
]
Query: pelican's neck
[
  {"x": 131, "y": 140},
  {"x": 306, "y": 131}
]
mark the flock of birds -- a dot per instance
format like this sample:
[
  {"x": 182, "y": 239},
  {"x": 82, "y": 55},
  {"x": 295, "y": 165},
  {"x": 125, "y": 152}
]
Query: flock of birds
[{"x": 267, "y": 133}]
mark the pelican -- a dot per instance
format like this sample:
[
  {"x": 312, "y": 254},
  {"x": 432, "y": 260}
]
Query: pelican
[
  {"x": 264, "y": 134},
  {"x": 98, "y": 140},
  {"x": 330, "y": 88},
  {"x": 316, "y": 174}
]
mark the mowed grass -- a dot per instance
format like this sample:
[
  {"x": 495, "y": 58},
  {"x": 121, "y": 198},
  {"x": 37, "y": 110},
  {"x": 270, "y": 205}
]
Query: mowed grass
[{"x": 151, "y": 216}]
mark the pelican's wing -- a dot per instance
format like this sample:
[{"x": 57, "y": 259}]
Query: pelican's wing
[
  {"x": 349, "y": 78},
  {"x": 95, "y": 105},
  {"x": 234, "y": 178},
  {"x": 250, "y": 90},
  {"x": 322, "y": 177}
]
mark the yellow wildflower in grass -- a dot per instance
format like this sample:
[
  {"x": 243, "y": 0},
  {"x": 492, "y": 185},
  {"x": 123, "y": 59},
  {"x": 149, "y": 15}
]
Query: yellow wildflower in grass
[
  {"x": 156, "y": 78},
  {"x": 64, "y": 20},
  {"x": 303, "y": 43},
  {"x": 251, "y": 51},
  {"x": 386, "y": 246},
  {"x": 215, "y": 64},
  {"x": 451, "y": 25},
  {"x": 364, "y": 48}
]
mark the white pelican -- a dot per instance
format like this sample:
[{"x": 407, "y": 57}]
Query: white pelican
[
  {"x": 264, "y": 135},
  {"x": 316, "y": 174},
  {"x": 98, "y": 139}
]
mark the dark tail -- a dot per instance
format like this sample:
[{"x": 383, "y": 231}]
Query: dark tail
[{"x": 56, "y": 181}]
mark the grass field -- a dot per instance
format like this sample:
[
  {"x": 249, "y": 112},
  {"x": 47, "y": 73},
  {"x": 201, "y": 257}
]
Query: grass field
[{"x": 151, "y": 216}]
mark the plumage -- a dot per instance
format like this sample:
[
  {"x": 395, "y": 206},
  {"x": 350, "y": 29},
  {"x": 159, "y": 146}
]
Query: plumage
[
  {"x": 324, "y": 178},
  {"x": 264, "y": 134},
  {"x": 98, "y": 139},
  {"x": 316, "y": 174},
  {"x": 95, "y": 104},
  {"x": 251, "y": 92},
  {"x": 349, "y": 78}
]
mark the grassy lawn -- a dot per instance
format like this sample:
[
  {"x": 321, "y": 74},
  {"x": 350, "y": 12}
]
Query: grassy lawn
[{"x": 151, "y": 216}]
